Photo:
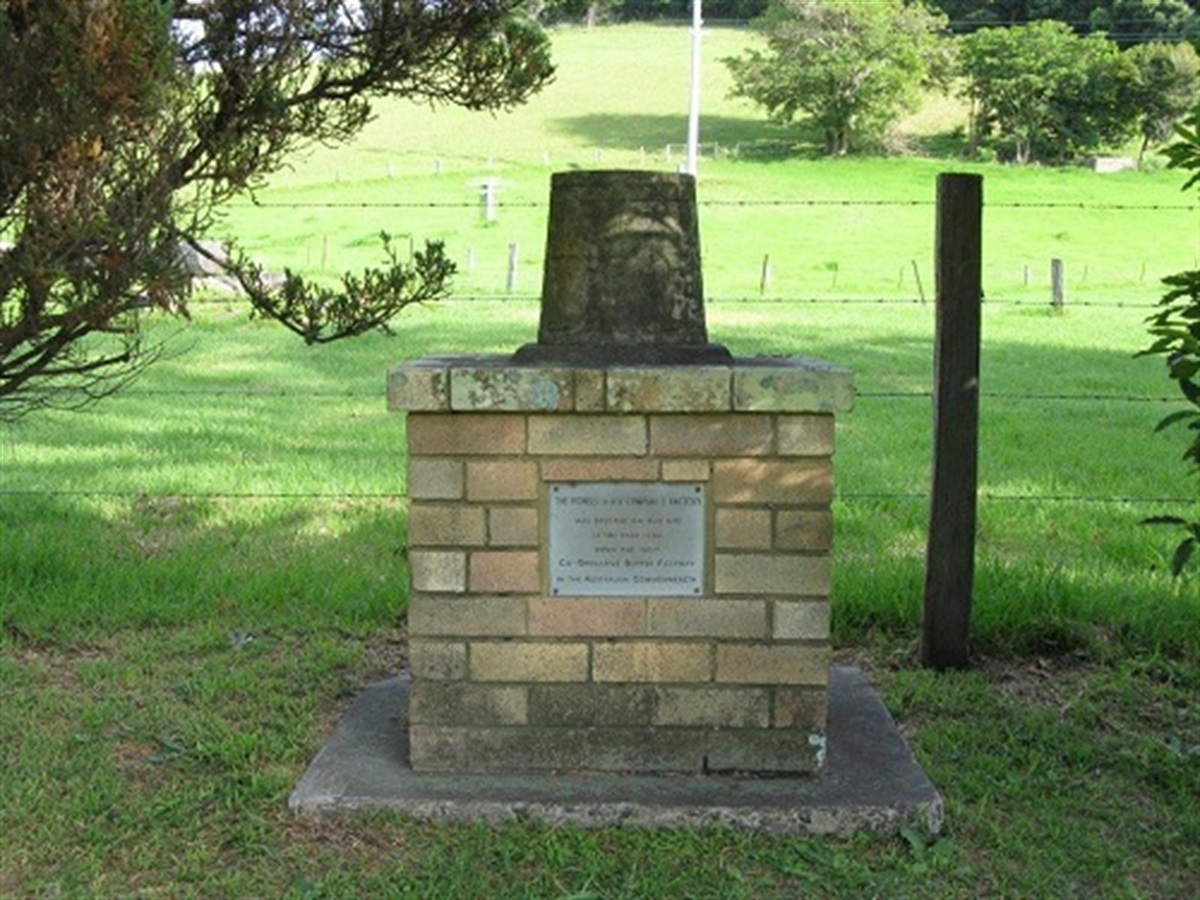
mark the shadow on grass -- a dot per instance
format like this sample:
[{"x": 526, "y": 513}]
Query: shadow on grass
[
  {"x": 752, "y": 140},
  {"x": 77, "y": 568},
  {"x": 734, "y": 137}
]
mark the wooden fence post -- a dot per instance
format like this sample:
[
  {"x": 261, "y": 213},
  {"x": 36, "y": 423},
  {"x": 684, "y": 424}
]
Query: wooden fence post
[
  {"x": 1056, "y": 283},
  {"x": 487, "y": 197},
  {"x": 950, "y": 553},
  {"x": 920, "y": 286},
  {"x": 511, "y": 282}
]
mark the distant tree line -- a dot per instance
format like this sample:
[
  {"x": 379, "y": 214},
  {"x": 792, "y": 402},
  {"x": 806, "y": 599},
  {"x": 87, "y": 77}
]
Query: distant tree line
[
  {"x": 1038, "y": 90},
  {"x": 1126, "y": 22}
]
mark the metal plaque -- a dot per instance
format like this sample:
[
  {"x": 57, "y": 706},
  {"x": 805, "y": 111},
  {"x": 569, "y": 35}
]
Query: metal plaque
[{"x": 627, "y": 539}]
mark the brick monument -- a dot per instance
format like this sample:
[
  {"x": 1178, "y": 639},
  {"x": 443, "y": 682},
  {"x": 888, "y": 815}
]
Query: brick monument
[{"x": 619, "y": 538}]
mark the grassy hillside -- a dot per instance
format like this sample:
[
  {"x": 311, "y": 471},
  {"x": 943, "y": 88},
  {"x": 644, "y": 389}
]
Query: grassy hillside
[{"x": 830, "y": 228}]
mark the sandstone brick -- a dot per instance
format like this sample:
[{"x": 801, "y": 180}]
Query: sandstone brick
[
  {"x": 681, "y": 389},
  {"x": 435, "y": 479},
  {"x": 528, "y": 749},
  {"x": 794, "y": 482},
  {"x": 513, "y": 526},
  {"x": 504, "y": 572},
  {"x": 466, "y": 434},
  {"x": 446, "y": 524},
  {"x": 686, "y": 470},
  {"x": 772, "y": 664},
  {"x": 437, "y": 660},
  {"x": 803, "y": 529},
  {"x": 743, "y": 529},
  {"x": 646, "y": 750},
  {"x": 587, "y": 435},
  {"x": 434, "y": 749},
  {"x": 592, "y": 617},
  {"x": 467, "y": 704},
  {"x": 591, "y": 705},
  {"x": 795, "y": 707},
  {"x": 652, "y": 661},
  {"x": 793, "y": 385},
  {"x": 800, "y": 620},
  {"x": 509, "y": 387},
  {"x": 528, "y": 661},
  {"x": 587, "y": 750},
  {"x": 772, "y": 573},
  {"x": 502, "y": 479},
  {"x": 707, "y": 618},
  {"x": 713, "y": 707},
  {"x": 804, "y": 435},
  {"x": 439, "y": 571},
  {"x": 589, "y": 390},
  {"x": 458, "y": 616},
  {"x": 711, "y": 435},
  {"x": 414, "y": 386},
  {"x": 614, "y": 469},
  {"x": 762, "y": 751}
]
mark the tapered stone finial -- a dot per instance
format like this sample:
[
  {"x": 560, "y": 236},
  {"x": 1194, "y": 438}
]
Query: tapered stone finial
[{"x": 622, "y": 277}]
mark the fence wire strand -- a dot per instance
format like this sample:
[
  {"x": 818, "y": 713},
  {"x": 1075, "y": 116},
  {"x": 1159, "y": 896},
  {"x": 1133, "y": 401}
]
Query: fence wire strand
[
  {"x": 793, "y": 202},
  {"x": 851, "y": 497}
]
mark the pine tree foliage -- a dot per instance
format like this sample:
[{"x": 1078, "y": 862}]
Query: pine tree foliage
[{"x": 125, "y": 124}]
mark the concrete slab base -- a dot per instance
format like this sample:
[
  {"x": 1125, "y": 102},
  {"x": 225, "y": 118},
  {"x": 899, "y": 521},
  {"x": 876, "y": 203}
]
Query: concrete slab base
[{"x": 870, "y": 782}]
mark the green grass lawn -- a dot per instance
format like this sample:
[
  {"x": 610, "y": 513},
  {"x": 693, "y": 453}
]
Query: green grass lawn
[{"x": 197, "y": 575}]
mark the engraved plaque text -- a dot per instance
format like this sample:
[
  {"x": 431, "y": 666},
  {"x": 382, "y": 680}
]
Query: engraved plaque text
[{"x": 626, "y": 539}]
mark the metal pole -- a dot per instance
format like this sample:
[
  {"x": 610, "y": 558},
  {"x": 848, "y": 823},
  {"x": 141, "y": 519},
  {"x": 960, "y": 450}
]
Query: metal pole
[{"x": 693, "y": 141}]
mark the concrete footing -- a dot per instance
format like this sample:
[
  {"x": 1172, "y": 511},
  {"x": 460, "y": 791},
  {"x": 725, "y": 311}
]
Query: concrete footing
[{"x": 870, "y": 781}]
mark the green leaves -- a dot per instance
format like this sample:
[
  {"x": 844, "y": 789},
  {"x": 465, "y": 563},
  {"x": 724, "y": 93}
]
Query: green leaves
[
  {"x": 1187, "y": 547},
  {"x": 125, "y": 126},
  {"x": 1041, "y": 92},
  {"x": 850, "y": 67},
  {"x": 1176, "y": 331},
  {"x": 365, "y": 302}
]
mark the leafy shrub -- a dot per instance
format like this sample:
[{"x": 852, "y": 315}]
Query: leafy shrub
[{"x": 1176, "y": 331}]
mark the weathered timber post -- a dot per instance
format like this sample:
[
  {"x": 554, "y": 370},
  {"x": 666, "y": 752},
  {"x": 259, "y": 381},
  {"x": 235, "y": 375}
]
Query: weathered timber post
[{"x": 950, "y": 556}]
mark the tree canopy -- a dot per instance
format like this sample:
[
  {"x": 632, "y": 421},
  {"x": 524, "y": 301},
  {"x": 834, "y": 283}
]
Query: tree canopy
[
  {"x": 125, "y": 124},
  {"x": 1167, "y": 77},
  {"x": 1041, "y": 92},
  {"x": 1125, "y": 22},
  {"x": 849, "y": 67}
]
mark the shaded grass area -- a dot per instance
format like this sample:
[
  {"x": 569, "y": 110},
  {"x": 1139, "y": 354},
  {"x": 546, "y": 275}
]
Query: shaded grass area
[
  {"x": 165, "y": 756},
  {"x": 79, "y": 568}
]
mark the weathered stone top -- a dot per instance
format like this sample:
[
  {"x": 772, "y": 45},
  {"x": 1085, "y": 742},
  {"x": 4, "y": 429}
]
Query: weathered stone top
[
  {"x": 495, "y": 384},
  {"x": 622, "y": 263}
]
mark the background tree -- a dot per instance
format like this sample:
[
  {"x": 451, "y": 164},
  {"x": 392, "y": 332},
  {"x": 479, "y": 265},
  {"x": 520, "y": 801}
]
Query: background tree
[
  {"x": 849, "y": 67},
  {"x": 965, "y": 16},
  {"x": 1040, "y": 92},
  {"x": 1164, "y": 90},
  {"x": 1126, "y": 22},
  {"x": 1129, "y": 23},
  {"x": 124, "y": 125}
]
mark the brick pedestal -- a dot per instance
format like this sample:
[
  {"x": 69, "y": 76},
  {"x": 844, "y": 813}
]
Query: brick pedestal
[{"x": 509, "y": 677}]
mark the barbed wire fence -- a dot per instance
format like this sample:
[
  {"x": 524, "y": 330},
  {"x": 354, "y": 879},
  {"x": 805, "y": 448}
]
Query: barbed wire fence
[
  {"x": 502, "y": 269},
  {"x": 509, "y": 295}
]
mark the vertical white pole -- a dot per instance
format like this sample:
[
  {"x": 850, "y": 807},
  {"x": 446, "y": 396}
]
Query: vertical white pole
[{"x": 693, "y": 141}]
